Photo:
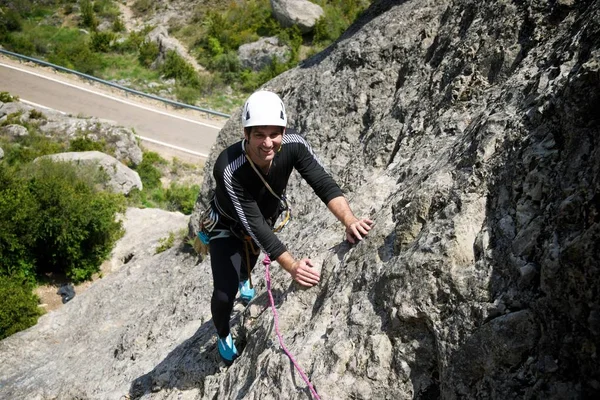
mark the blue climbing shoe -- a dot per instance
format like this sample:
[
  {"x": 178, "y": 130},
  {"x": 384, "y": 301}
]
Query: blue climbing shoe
[
  {"x": 246, "y": 292},
  {"x": 227, "y": 350}
]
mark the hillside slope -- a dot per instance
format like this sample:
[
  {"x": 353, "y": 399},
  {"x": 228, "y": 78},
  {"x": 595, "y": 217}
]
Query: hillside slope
[{"x": 469, "y": 132}]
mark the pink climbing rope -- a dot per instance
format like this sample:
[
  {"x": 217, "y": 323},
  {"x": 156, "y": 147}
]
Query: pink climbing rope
[{"x": 267, "y": 263}]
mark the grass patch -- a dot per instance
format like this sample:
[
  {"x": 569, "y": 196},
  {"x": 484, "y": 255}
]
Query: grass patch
[{"x": 213, "y": 37}]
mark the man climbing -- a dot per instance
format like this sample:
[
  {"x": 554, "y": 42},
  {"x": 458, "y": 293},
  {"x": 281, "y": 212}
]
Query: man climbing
[{"x": 251, "y": 177}]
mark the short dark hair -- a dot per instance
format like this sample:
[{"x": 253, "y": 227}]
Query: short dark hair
[{"x": 248, "y": 129}]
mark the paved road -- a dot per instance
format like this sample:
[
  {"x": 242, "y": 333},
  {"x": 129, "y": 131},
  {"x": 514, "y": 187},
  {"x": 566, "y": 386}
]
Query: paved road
[{"x": 183, "y": 132}]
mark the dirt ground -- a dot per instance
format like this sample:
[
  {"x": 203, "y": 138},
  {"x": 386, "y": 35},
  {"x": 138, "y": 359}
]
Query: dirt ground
[{"x": 50, "y": 300}]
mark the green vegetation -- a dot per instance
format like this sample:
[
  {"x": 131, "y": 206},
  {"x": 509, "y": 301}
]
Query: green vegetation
[
  {"x": 165, "y": 243},
  {"x": 6, "y": 97},
  {"x": 175, "y": 197},
  {"x": 19, "y": 306},
  {"x": 65, "y": 35},
  {"x": 55, "y": 217},
  {"x": 55, "y": 220}
]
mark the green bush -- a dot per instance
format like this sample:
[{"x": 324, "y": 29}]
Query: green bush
[
  {"x": 10, "y": 21},
  {"x": 83, "y": 143},
  {"x": 6, "y": 97},
  {"x": 101, "y": 41},
  {"x": 149, "y": 174},
  {"x": 186, "y": 94},
  {"x": 182, "y": 198},
  {"x": 78, "y": 56},
  {"x": 148, "y": 51},
  {"x": 18, "y": 210},
  {"x": 65, "y": 225},
  {"x": 88, "y": 16},
  {"x": 176, "y": 67},
  {"x": 19, "y": 43},
  {"x": 18, "y": 306},
  {"x": 338, "y": 15},
  {"x": 118, "y": 25}
]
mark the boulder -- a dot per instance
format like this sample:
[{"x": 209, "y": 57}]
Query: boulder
[
  {"x": 301, "y": 13},
  {"x": 14, "y": 107},
  {"x": 1, "y": 153},
  {"x": 160, "y": 36},
  {"x": 14, "y": 130},
  {"x": 121, "y": 178},
  {"x": 119, "y": 140},
  {"x": 257, "y": 55}
]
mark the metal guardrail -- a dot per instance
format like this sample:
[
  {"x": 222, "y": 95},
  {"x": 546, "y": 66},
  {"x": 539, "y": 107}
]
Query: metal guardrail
[{"x": 126, "y": 89}]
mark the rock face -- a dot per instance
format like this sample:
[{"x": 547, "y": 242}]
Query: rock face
[
  {"x": 302, "y": 13},
  {"x": 121, "y": 179},
  {"x": 469, "y": 132},
  {"x": 259, "y": 54}
]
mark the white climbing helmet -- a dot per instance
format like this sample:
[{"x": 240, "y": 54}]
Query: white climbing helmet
[{"x": 264, "y": 108}]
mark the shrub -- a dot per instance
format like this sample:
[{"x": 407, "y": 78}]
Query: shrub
[
  {"x": 62, "y": 224},
  {"x": 100, "y": 41},
  {"x": 148, "y": 52},
  {"x": 88, "y": 16},
  {"x": 36, "y": 114},
  {"x": 19, "y": 307},
  {"x": 118, "y": 25},
  {"x": 78, "y": 56},
  {"x": 76, "y": 226},
  {"x": 83, "y": 143},
  {"x": 149, "y": 174},
  {"x": 176, "y": 67},
  {"x": 19, "y": 43},
  {"x": 6, "y": 97},
  {"x": 338, "y": 15},
  {"x": 182, "y": 198},
  {"x": 186, "y": 94},
  {"x": 17, "y": 231},
  {"x": 10, "y": 21}
]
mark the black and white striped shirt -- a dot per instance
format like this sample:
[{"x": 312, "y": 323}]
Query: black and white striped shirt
[{"x": 240, "y": 194}]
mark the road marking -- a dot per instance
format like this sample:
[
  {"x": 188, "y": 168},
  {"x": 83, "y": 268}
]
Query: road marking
[
  {"x": 141, "y": 137},
  {"x": 111, "y": 97},
  {"x": 172, "y": 146},
  {"x": 31, "y": 103}
]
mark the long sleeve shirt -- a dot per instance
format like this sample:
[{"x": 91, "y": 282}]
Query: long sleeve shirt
[{"x": 241, "y": 196}]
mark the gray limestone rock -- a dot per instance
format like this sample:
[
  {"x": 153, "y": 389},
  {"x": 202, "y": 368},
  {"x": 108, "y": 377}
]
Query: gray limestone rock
[
  {"x": 120, "y": 140},
  {"x": 301, "y": 13},
  {"x": 470, "y": 134},
  {"x": 259, "y": 54},
  {"x": 121, "y": 179},
  {"x": 14, "y": 130},
  {"x": 1, "y": 153}
]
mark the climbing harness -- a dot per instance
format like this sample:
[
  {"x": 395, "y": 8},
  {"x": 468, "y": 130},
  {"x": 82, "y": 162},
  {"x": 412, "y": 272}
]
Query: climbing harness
[{"x": 267, "y": 263}]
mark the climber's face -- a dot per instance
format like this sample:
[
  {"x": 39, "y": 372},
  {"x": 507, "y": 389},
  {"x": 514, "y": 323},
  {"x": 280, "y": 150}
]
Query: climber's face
[{"x": 263, "y": 143}]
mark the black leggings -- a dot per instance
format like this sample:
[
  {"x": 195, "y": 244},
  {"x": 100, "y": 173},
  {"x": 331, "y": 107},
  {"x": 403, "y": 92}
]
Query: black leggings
[{"x": 228, "y": 264}]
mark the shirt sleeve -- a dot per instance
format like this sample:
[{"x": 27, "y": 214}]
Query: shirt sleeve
[
  {"x": 253, "y": 221},
  {"x": 314, "y": 173}
]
